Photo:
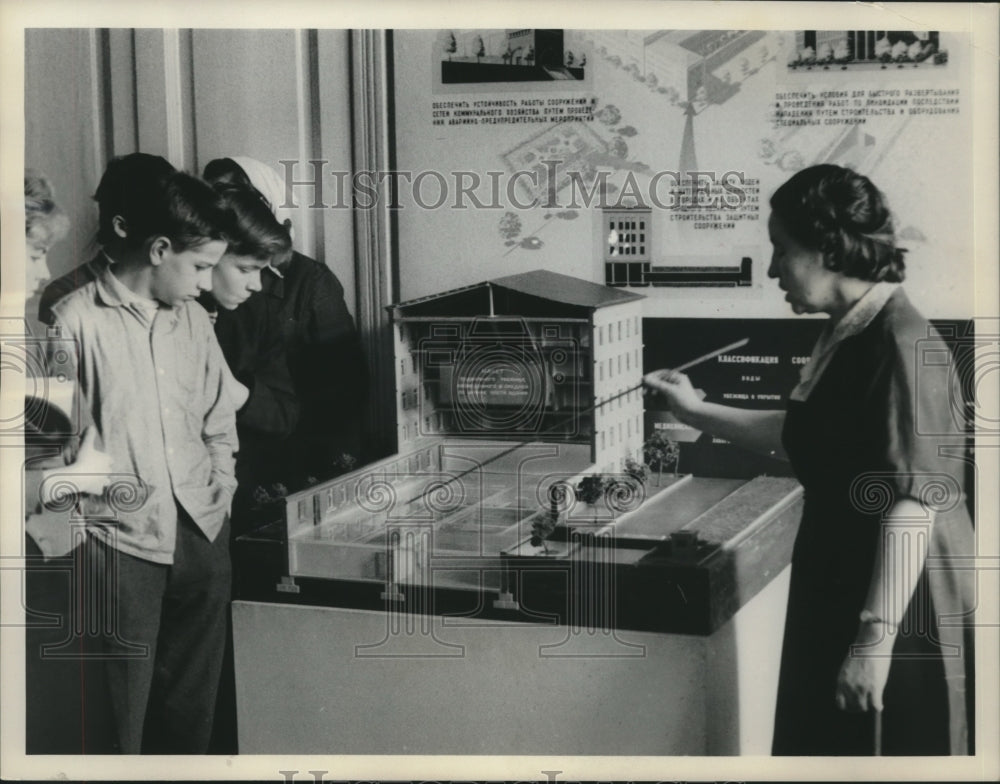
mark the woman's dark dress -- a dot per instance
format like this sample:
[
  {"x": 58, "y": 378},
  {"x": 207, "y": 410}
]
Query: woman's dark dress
[{"x": 869, "y": 435}]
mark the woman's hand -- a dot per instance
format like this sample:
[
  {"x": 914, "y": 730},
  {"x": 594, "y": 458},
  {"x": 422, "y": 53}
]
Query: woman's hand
[
  {"x": 863, "y": 675},
  {"x": 676, "y": 388}
]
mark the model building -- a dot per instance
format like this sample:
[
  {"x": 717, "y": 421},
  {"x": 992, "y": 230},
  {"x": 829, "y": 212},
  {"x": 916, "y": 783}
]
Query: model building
[
  {"x": 537, "y": 355},
  {"x": 505, "y": 389},
  {"x": 519, "y": 403}
]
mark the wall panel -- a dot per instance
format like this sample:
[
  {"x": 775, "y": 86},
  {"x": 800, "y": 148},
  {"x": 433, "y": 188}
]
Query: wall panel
[
  {"x": 66, "y": 131},
  {"x": 252, "y": 98}
]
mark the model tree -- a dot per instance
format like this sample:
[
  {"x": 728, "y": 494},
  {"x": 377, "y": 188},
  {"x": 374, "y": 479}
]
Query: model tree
[
  {"x": 529, "y": 57},
  {"x": 636, "y": 470},
  {"x": 546, "y": 520},
  {"x": 661, "y": 452},
  {"x": 592, "y": 489},
  {"x": 542, "y": 526},
  {"x": 480, "y": 47},
  {"x": 450, "y": 45},
  {"x": 569, "y": 58}
]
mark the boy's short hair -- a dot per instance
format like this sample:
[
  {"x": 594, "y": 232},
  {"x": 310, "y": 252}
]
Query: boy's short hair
[
  {"x": 256, "y": 232},
  {"x": 130, "y": 186},
  {"x": 155, "y": 200},
  {"x": 191, "y": 213}
]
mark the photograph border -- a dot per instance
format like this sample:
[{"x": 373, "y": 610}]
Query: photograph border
[{"x": 978, "y": 20}]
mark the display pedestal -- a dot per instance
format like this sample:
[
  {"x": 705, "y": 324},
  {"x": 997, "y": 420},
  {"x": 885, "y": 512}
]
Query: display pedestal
[{"x": 327, "y": 680}]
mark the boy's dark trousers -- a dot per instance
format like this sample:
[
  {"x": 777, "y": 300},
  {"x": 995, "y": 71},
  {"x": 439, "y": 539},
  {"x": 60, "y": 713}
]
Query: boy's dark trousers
[{"x": 168, "y": 637}]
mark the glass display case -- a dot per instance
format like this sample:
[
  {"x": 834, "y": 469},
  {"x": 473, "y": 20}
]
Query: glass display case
[
  {"x": 449, "y": 500},
  {"x": 509, "y": 522}
]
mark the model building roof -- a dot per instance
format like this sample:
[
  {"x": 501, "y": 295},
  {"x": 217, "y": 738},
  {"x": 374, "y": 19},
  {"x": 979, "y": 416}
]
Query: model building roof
[
  {"x": 565, "y": 289},
  {"x": 535, "y": 293}
]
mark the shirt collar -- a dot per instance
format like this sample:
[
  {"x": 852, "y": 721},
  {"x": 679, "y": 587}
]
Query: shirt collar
[
  {"x": 859, "y": 316},
  {"x": 863, "y": 311},
  {"x": 273, "y": 282},
  {"x": 116, "y": 294},
  {"x": 111, "y": 290}
]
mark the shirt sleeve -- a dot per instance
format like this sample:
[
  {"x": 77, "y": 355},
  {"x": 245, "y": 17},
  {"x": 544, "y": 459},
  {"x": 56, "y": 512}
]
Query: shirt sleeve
[
  {"x": 921, "y": 413},
  {"x": 51, "y": 295},
  {"x": 219, "y": 427},
  {"x": 339, "y": 376},
  {"x": 272, "y": 407},
  {"x": 33, "y": 478},
  {"x": 66, "y": 284}
]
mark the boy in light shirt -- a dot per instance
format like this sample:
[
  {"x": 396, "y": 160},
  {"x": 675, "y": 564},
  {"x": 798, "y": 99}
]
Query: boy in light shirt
[{"x": 156, "y": 387}]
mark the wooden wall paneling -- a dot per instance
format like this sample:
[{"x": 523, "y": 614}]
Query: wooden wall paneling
[
  {"x": 151, "y": 88},
  {"x": 373, "y": 231},
  {"x": 180, "y": 87},
  {"x": 122, "y": 103},
  {"x": 67, "y": 132},
  {"x": 252, "y": 97},
  {"x": 164, "y": 111},
  {"x": 308, "y": 221},
  {"x": 332, "y": 102}
]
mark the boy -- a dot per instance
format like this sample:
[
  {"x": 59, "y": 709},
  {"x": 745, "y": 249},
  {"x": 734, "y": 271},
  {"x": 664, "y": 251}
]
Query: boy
[{"x": 155, "y": 385}]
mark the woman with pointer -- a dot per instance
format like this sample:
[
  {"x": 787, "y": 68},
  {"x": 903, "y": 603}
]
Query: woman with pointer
[{"x": 877, "y": 653}]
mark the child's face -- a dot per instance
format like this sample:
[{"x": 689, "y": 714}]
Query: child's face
[
  {"x": 37, "y": 269},
  {"x": 181, "y": 276},
  {"x": 235, "y": 278}
]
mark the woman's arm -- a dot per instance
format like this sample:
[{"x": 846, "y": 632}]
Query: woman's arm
[
  {"x": 759, "y": 431},
  {"x": 904, "y": 539}
]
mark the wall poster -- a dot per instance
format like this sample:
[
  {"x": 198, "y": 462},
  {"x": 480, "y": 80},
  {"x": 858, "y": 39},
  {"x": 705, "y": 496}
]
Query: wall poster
[{"x": 644, "y": 158}]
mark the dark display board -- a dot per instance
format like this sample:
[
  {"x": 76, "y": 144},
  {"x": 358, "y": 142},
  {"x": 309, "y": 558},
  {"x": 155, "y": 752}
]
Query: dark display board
[{"x": 760, "y": 375}]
